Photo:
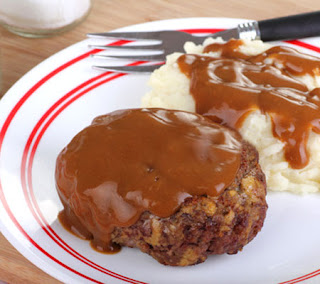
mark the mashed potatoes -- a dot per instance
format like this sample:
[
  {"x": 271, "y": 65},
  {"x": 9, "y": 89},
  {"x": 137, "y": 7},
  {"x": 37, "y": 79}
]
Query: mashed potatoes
[{"x": 170, "y": 89}]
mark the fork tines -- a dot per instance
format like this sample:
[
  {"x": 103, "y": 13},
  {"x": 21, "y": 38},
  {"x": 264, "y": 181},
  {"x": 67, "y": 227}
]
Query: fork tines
[
  {"x": 152, "y": 51},
  {"x": 127, "y": 35},
  {"x": 128, "y": 47},
  {"x": 145, "y": 69},
  {"x": 152, "y": 57}
]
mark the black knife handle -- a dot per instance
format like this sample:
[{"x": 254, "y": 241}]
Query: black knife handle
[{"x": 291, "y": 27}]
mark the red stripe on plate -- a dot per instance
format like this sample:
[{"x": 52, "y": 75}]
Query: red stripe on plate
[
  {"x": 302, "y": 278},
  {"x": 14, "y": 220},
  {"x": 304, "y": 44},
  {"x": 41, "y": 82},
  {"x": 35, "y": 87}
]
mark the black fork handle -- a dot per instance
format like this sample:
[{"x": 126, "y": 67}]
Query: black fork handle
[{"x": 291, "y": 27}]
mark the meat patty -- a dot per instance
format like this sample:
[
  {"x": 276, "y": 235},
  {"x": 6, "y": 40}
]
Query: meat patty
[
  {"x": 205, "y": 225},
  {"x": 173, "y": 184}
]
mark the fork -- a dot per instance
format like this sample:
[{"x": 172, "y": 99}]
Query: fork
[{"x": 167, "y": 42}]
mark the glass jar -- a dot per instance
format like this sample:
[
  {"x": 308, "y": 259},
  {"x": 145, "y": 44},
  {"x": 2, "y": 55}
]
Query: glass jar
[{"x": 41, "y": 18}]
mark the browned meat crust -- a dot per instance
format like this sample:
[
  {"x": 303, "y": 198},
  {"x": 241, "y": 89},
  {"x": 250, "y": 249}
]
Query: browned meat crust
[{"x": 205, "y": 225}]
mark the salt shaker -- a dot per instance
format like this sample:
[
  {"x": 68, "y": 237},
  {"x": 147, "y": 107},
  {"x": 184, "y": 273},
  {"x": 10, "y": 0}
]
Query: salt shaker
[{"x": 40, "y": 18}]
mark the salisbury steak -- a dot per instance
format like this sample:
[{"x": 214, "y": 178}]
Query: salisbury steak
[{"x": 172, "y": 183}]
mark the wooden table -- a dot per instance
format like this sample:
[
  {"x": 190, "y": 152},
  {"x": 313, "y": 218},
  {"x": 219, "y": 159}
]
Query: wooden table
[{"x": 19, "y": 55}]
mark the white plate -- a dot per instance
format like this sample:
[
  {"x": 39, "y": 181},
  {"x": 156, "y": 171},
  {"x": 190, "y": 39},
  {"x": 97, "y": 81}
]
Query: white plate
[{"x": 59, "y": 97}]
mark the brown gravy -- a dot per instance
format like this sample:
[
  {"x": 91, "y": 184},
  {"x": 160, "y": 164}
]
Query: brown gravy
[
  {"x": 140, "y": 160},
  {"x": 227, "y": 89}
]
